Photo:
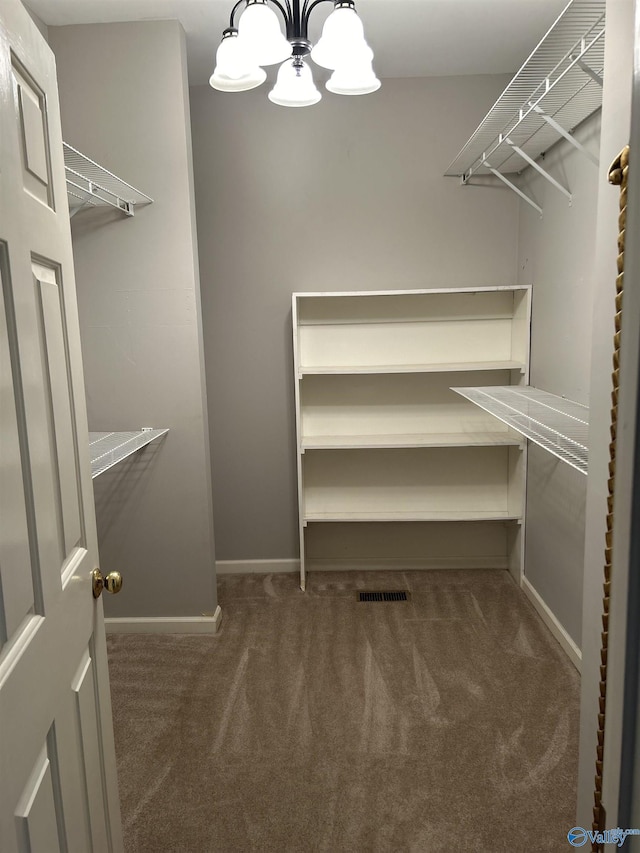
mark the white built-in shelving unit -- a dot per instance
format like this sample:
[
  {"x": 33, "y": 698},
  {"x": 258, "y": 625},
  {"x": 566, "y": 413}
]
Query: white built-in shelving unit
[
  {"x": 381, "y": 436},
  {"x": 89, "y": 184},
  {"x": 106, "y": 449},
  {"x": 557, "y": 88},
  {"x": 554, "y": 423}
]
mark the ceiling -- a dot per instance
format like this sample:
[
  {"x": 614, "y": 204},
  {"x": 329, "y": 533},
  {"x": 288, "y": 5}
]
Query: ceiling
[{"x": 410, "y": 38}]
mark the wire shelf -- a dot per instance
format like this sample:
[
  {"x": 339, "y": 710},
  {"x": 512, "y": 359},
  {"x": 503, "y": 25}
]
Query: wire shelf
[
  {"x": 558, "y": 425},
  {"x": 106, "y": 449},
  {"x": 88, "y": 183},
  {"x": 561, "y": 80}
]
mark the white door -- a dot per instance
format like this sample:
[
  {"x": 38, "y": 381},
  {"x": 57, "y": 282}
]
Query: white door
[{"x": 57, "y": 765}]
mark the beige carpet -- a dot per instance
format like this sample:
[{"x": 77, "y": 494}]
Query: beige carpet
[{"x": 313, "y": 722}]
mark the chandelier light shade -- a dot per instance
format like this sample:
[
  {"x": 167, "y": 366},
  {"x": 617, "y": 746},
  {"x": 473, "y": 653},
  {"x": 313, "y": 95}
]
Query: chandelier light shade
[
  {"x": 342, "y": 33},
  {"x": 241, "y": 84},
  {"x": 258, "y": 41},
  {"x": 259, "y": 31},
  {"x": 295, "y": 86},
  {"x": 235, "y": 71},
  {"x": 356, "y": 80}
]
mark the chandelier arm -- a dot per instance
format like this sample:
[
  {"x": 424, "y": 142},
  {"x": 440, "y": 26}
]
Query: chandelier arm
[
  {"x": 233, "y": 13},
  {"x": 286, "y": 14},
  {"x": 308, "y": 8}
]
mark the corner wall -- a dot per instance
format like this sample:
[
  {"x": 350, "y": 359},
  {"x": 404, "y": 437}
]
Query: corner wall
[
  {"x": 124, "y": 101},
  {"x": 556, "y": 256},
  {"x": 346, "y": 195}
]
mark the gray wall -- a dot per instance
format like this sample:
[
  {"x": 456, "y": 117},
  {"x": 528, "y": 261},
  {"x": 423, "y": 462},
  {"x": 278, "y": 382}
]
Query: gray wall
[
  {"x": 346, "y": 195},
  {"x": 616, "y": 112},
  {"x": 124, "y": 101},
  {"x": 556, "y": 256}
]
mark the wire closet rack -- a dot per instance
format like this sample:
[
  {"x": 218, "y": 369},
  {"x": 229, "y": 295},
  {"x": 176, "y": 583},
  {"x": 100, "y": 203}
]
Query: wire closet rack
[
  {"x": 88, "y": 183},
  {"x": 556, "y": 424},
  {"x": 557, "y": 88},
  {"x": 106, "y": 449}
]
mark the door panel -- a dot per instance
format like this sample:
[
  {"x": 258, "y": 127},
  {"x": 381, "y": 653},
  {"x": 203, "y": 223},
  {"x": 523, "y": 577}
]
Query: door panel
[
  {"x": 57, "y": 763},
  {"x": 36, "y": 817},
  {"x": 30, "y": 103},
  {"x": 59, "y": 406},
  {"x": 16, "y": 586},
  {"x": 86, "y": 714}
]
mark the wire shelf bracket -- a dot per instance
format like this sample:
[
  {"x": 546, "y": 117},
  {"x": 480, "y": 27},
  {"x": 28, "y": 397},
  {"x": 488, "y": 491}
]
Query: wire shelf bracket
[
  {"x": 89, "y": 184},
  {"x": 554, "y": 423},
  {"x": 515, "y": 188},
  {"x": 539, "y": 168},
  {"x": 106, "y": 449},
  {"x": 557, "y": 88},
  {"x": 568, "y": 136}
]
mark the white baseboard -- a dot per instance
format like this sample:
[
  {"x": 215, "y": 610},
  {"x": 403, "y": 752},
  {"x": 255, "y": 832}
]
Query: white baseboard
[
  {"x": 256, "y": 567},
  {"x": 552, "y": 623},
  {"x": 264, "y": 567},
  {"x": 165, "y": 624},
  {"x": 406, "y": 564}
]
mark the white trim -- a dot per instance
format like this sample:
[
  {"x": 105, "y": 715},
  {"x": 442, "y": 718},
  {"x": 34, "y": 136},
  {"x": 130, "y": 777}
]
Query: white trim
[
  {"x": 256, "y": 567},
  {"x": 165, "y": 624},
  {"x": 552, "y": 623},
  {"x": 406, "y": 564}
]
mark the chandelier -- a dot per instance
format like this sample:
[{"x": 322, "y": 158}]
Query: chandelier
[{"x": 258, "y": 41}]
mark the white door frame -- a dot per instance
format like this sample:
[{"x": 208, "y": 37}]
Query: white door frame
[
  {"x": 622, "y": 742},
  {"x": 621, "y": 762}
]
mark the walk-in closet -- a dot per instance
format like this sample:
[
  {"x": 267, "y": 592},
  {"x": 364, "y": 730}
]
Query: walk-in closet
[{"x": 318, "y": 450}]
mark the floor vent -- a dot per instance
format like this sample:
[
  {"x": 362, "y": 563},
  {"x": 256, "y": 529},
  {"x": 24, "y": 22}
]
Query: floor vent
[{"x": 400, "y": 595}]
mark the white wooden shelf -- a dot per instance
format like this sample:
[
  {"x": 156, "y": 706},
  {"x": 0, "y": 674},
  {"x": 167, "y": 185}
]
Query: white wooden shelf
[
  {"x": 427, "y": 483},
  {"x": 557, "y": 88},
  {"x": 400, "y": 409},
  {"x": 106, "y": 449},
  {"x": 493, "y": 515},
  {"x": 556, "y": 424},
  {"x": 382, "y": 438},
  {"x": 391, "y": 306},
  {"x": 445, "y": 367},
  {"x": 89, "y": 184},
  {"x": 390, "y": 441}
]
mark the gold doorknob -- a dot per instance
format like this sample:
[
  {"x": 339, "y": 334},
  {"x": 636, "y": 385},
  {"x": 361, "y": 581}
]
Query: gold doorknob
[{"x": 112, "y": 582}]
